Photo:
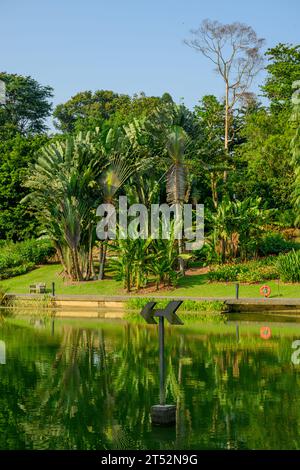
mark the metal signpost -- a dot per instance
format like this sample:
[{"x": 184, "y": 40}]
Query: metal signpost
[{"x": 162, "y": 413}]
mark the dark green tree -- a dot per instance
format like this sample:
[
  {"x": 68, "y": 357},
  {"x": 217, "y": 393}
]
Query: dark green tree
[
  {"x": 283, "y": 69},
  {"x": 212, "y": 158},
  {"x": 26, "y": 106},
  {"x": 264, "y": 166},
  {"x": 87, "y": 110},
  {"x": 16, "y": 220}
]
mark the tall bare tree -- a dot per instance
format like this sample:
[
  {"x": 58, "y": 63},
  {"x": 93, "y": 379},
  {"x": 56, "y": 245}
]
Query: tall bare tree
[{"x": 235, "y": 50}]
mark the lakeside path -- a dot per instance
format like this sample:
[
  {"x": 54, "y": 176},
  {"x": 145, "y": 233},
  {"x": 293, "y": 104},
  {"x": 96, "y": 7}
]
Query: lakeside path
[{"x": 96, "y": 302}]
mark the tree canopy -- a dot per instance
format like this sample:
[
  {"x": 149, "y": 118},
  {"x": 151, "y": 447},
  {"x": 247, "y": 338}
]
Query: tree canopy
[
  {"x": 26, "y": 106},
  {"x": 231, "y": 153}
]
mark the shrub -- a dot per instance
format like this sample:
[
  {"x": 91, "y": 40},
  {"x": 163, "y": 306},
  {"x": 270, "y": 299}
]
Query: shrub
[
  {"x": 36, "y": 251},
  {"x": 289, "y": 266},
  {"x": 16, "y": 270},
  {"x": 226, "y": 272},
  {"x": 275, "y": 243},
  {"x": 18, "y": 258},
  {"x": 187, "y": 306},
  {"x": 190, "y": 310},
  {"x": 206, "y": 255},
  {"x": 252, "y": 271}
]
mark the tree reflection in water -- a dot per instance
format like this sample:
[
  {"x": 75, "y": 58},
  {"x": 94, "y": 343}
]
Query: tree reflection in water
[{"x": 92, "y": 388}]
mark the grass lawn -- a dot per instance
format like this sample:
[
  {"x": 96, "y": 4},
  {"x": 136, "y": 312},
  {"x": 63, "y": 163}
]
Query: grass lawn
[{"x": 196, "y": 286}]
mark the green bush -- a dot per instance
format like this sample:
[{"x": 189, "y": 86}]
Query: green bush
[
  {"x": 19, "y": 258},
  {"x": 187, "y": 305},
  {"x": 289, "y": 266},
  {"x": 275, "y": 243},
  {"x": 226, "y": 272},
  {"x": 251, "y": 272},
  {"x": 190, "y": 310},
  {"x": 206, "y": 255},
  {"x": 16, "y": 270}
]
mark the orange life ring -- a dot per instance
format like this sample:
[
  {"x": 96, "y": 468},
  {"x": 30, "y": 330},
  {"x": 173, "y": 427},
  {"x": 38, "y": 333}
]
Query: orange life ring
[
  {"x": 265, "y": 332},
  {"x": 265, "y": 291}
]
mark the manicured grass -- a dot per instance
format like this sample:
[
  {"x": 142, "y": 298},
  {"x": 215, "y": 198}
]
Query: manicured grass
[
  {"x": 51, "y": 273},
  {"x": 193, "y": 286},
  {"x": 199, "y": 286}
]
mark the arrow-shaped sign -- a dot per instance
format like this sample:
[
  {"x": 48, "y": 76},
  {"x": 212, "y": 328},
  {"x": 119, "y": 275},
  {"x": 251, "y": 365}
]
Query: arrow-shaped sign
[
  {"x": 169, "y": 312},
  {"x": 148, "y": 312}
]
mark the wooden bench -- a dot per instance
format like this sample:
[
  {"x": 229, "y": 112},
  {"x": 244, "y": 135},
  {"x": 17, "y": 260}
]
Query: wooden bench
[{"x": 39, "y": 288}]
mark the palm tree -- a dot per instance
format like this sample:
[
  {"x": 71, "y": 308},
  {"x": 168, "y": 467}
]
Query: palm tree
[
  {"x": 176, "y": 176},
  {"x": 111, "y": 181},
  {"x": 63, "y": 183}
]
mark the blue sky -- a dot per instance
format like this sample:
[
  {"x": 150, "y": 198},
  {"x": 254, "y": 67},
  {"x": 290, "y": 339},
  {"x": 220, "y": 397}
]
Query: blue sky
[{"x": 128, "y": 45}]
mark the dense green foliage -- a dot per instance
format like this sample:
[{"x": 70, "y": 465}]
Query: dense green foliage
[
  {"x": 104, "y": 108},
  {"x": 153, "y": 151},
  {"x": 237, "y": 226},
  {"x": 138, "y": 261},
  {"x": 16, "y": 219},
  {"x": 26, "y": 107},
  {"x": 206, "y": 311},
  {"x": 18, "y": 258},
  {"x": 63, "y": 194},
  {"x": 188, "y": 305},
  {"x": 283, "y": 70},
  {"x": 264, "y": 160},
  {"x": 289, "y": 266},
  {"x": 251, "y": 271},
  {"x": 275, "y": 243}
]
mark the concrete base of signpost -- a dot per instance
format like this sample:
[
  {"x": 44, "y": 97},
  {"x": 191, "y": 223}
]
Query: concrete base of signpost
[{"x": 163, "y": 414}]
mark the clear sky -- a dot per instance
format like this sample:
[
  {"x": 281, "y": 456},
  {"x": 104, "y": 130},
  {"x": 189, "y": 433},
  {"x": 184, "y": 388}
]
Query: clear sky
[{"x": 128, "y": 45}]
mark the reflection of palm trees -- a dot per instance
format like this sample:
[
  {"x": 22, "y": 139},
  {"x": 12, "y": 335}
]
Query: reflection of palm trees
[
  {"x": 95, "y": 389},
  {"x": 177, "y": 391},
  {"x": 135, "y": 377},
  {"x": 70, "y": 394},
  {"x": 90, "y": 377}
]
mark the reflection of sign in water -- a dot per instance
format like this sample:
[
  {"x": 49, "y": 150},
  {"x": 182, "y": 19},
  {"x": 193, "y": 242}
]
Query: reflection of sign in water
[
  {"x": 162, "y": 413},
  {"x": 2, "y": 353},
  {"x": 2, "y": 92}
]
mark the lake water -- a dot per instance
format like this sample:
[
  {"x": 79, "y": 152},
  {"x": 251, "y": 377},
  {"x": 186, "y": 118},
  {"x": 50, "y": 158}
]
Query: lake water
[{"x": 90, "y": 385}]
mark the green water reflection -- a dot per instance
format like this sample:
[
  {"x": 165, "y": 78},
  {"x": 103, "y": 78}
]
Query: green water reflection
[{"x": 92, "y": 386}]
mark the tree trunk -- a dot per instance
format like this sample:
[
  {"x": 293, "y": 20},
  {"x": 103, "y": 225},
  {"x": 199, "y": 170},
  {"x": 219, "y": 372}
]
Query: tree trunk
[
  {"x": 100, "y": 257},
  {"x": 223, "y": 250},
  {"x": 214, "y": 192},
  {"x": 102, "y": 261},
  {"x": 226, "y": 135},
  {"x": 76, "y": 267},
  {"x": 128, "y": 279},
  {"x": 181, "y": 261},
  {"x": 90, "y": 269},
  {"x": 61, "y": 258}
]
